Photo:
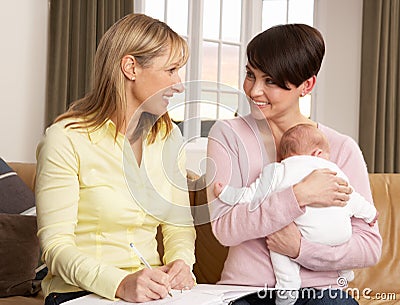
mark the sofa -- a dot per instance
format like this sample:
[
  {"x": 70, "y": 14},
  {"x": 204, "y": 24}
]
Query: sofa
[{"x": 375, "y": 285}]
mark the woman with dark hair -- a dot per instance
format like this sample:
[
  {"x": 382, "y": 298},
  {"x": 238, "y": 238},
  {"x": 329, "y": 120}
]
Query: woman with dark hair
[
  {"x": 283, "y": 63},
  {"x": 109, "y": 172}
]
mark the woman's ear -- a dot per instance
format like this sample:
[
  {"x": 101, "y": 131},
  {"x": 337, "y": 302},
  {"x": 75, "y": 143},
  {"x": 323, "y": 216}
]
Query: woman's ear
[
  {"x": 128, "y": 64},
  {"x": 308, "y": 85}
]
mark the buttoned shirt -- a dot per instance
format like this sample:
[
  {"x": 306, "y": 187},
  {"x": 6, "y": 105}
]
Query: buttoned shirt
[{"x": 94, "y": 199}]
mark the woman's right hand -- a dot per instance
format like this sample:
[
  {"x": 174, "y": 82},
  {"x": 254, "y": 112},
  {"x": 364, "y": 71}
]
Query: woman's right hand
[
  {"x": 322, "y": 188},
  {"x": 144, "y": 285}
]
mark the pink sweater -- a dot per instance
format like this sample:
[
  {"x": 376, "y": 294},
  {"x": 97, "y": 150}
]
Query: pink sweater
[{"x": 238, "y": 160}]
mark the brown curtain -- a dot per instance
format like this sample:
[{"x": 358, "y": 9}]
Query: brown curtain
[
  {"x": 75, "y": 29},
  {"x": 379, "y": 134}
]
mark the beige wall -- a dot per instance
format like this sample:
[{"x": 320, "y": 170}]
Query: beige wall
[
  {"x": 23, "y": 29},
  {"x": 23, "y": 32},
  {"x": 338, "y": 84}
]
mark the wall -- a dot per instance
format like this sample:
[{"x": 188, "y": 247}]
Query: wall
[
  {"x": 338, "y": 85},
  {"x": 23, "y": 31}
]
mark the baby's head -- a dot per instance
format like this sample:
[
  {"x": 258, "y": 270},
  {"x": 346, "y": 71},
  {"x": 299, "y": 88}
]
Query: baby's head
[{"x": 304, "y": 139}]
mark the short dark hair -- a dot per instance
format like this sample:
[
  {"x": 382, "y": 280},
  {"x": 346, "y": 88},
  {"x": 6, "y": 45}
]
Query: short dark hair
[{"x": 288, "y": 53}]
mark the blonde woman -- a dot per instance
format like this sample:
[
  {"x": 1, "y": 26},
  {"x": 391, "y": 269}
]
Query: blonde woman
[{"x": 92, "y": 191}]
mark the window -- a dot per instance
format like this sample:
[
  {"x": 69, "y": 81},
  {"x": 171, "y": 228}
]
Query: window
[{"x": 217, "y": 32}]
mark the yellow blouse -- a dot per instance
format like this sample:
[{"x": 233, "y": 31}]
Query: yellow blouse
[{"x": 93, "y": 200}]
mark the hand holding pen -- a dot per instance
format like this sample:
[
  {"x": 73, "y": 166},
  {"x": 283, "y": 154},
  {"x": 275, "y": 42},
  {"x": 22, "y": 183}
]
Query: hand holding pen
[
  {"x": 143, "y": 260},
  {"x": 144, "y": 285},
  {"x": 181, "y": 276}
]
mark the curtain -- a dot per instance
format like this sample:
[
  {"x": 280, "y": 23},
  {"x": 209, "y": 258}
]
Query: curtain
[
  {"x": 379, "y": 129},
  {"x": 75, "y": 29}
]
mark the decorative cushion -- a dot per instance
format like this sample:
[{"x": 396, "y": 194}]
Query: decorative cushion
[
  {"x": 19, "y": 252},
  {"x": 15, "y": 196},
  {"x": 19, "y": 245}
]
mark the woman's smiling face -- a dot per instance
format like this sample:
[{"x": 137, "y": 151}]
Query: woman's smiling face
[
  {"x": 267, "y": 100},
  {"x": 156, "y": 84}
]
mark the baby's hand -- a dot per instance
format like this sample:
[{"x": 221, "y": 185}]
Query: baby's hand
[
  {"x": 372, "y": 223},
  {"x": 218, "y": 186}
]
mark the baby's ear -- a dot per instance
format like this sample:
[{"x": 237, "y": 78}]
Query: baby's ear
[{"x": 316, "y": 152}]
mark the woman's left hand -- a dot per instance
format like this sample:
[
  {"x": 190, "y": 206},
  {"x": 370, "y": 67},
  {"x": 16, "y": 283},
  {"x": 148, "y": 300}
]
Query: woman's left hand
[
  {"x": 180, "y": 274},
  {"x": 285, "y": 241}
]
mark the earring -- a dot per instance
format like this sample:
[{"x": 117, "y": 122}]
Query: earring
[
  {"x": 302, "y": 94},
  {"x": 133, "y": 78}
]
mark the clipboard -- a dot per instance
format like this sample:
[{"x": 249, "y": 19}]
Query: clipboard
[{"x": 201, "y": 294}]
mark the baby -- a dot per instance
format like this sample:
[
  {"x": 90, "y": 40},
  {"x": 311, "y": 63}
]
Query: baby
[{"x": 303, "y": 148}]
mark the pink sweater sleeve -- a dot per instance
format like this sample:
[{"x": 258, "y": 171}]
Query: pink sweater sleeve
[
  {"x": 364, "y": 247},
  {"x": 235, "y": 158}
]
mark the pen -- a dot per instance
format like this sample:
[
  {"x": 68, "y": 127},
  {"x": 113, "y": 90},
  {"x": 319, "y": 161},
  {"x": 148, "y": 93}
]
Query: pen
[{"x": 143, "y": 260}]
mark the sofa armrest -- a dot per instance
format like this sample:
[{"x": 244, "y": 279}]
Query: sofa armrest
[{"x": 384, "y": 276}]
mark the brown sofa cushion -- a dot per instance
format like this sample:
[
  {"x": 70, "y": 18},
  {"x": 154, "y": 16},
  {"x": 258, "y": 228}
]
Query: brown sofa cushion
[
  {"x": 19, "y": 245},
  {"x": 19, "y": 252},
  {"x": 210, "y": 254}
]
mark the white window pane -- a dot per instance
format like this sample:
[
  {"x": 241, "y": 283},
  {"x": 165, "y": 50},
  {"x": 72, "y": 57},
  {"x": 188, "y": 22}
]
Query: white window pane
[
  {"x": 211, "y": 19},
  {"x": 155, "y": 9},
  {"x": 208, "y": 105},
  {"x": 231, "y": 16},
  {"x": 177, "y": 16},
  {"x": 210, "y": 61},
  {"x": 273, "y": 13},
  {"x": 228, "y": 105},
  {"x": 230, "y": 66},
  {"x": 176, "y": 107},
  {"x": 301, "y": 11}
]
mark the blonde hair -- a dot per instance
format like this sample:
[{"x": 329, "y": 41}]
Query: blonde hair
[
  {"x": 144, "y": 38},
  {"x": 301, "y": 139}
]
